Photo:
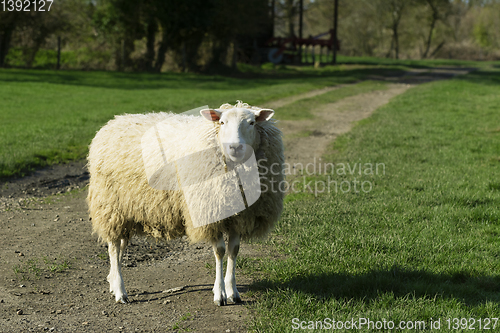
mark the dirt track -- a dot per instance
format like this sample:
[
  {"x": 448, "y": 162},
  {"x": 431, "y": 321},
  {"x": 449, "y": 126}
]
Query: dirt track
[{"x": 53, "y": 271}]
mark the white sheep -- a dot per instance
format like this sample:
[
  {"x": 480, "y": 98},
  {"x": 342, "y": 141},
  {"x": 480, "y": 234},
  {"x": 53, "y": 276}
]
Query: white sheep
[{"x": 125, "y": 199}]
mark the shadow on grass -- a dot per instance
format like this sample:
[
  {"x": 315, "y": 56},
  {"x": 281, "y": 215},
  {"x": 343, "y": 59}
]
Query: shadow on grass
[
  {"x": 482, "y": 77},
  {"x": 471, "y": 289},
  {"x": 137, "y": 81}
]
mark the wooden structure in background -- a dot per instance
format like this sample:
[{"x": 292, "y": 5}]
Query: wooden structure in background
[{"x": 289, "y": 50}]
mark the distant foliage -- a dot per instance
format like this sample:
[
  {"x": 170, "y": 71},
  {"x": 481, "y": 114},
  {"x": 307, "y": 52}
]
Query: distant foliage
[
  {"x": 214, "y": 35},
  {"x": 458, "y": 29},
  {"x": 153, "y": 35}
]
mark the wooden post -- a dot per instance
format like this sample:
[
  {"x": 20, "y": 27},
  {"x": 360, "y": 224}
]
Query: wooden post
[
  {"x": 335, "y": 19},
  {"x": 58, "y": 52}
]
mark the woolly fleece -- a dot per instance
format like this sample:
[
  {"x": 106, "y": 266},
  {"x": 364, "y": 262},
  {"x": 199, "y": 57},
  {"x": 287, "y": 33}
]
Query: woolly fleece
[{"x": 122, "y": 202}]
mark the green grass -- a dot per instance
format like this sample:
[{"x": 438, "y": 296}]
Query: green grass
[
  {"x": 422, "y": 244},
  {"x": 33, "y": 268},
  {"x": 49, "y": 117},
  {"x": 427, "y": 63},
  {"x": 381, "y": 62},
  {"x": 301, "y": 109},
  {"x": 47, "y": 58},
  {"x": 182, "y": 320}
]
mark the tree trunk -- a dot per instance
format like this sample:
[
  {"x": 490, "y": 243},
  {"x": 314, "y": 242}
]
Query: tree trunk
[
  {"x": 273, "y": 14},
  {"x": 162, "y": 50},
  {"x": 128, "y": 48},
  {"x": 234, "y": 60},
  {"x": 1, "y": 50},
  {"x": 429, "y": 38},
  {"x": 301, "y": 26},
  {"x": 435, "y": 17},
  {"x": 192, "y": 54},
  {"x": 335, "y": 26},
  {"x": 150, "y": 44},
  {"x": 123, "y": 51},
  {"x": 437, "y": 48},
  {"x": 388, "y": 55},
  {"x": 396, "y": 41},
  {"x": 291, "y": 15},
  {"x": 291, "y": 28},
  {"x": 5, "y": 39},
  {"x": 58, "y": 66},
  {"x": 38, "y": 43},
  {"x": 122, "y": 55},
  {"x": 219, "y": 53},
  {"x": 184, "y": 58},
  {"x": 396, "y": 7}
]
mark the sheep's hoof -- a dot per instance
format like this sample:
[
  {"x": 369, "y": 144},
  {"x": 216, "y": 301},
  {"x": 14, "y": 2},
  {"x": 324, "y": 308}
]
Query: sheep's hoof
[
  {"x": 234, "y": 299},
  {"x": 124, "y": 300},
  {"x": 221, "y": 302}
]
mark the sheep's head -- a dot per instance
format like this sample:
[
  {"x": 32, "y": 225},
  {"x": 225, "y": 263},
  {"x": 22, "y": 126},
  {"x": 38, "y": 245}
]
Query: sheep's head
[{"x": 237, "y": 129}]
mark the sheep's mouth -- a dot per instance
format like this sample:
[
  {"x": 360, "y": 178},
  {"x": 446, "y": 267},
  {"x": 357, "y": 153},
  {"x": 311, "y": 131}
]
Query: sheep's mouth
[
  {"x": 237, "y": 152},
  {"x": 236, "y": 157}
]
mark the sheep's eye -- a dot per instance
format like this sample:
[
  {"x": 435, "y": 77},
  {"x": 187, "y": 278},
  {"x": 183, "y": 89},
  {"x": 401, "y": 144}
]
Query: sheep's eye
[
  {"x": 222, "y": 123},
  {"x": 252, "y": 123}
]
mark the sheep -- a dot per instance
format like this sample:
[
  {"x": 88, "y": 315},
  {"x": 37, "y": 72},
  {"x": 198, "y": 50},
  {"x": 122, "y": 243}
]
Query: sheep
[{"x": 126, "y": 199}]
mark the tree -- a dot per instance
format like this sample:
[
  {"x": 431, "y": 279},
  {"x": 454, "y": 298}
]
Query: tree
[
  {"x": 231, "y": 30},
  {"x": 184, "y": 24},
  {"x": 121, "y": 23},
  {"x": 394, "y": 9},
  {"x": 8, "y": 24},
  {"x": 439, "y": 10},
  {"x": 286, "y": 14},
  {"x": 30, "y": 29},
  {"x": 291, "y": 12}
]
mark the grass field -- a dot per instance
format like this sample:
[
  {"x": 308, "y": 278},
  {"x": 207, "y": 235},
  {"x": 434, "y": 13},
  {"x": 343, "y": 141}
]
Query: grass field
[
  {"x": 49, "y": 117},
  {"x": 427, "y": 63},
  {"x": 420, "y": 242}
]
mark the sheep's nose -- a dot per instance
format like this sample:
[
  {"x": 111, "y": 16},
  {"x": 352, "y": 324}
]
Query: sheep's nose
[{"x": 236, "y": 146}]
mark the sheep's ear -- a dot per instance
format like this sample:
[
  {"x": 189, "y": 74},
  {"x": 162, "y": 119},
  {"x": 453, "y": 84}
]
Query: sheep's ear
[
  {"x": 211, "y": 114},
  {"x": 264, "y": 115}
]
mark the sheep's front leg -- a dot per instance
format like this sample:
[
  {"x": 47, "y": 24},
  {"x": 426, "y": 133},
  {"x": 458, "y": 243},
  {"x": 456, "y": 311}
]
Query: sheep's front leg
[
  {"x": 219, "y": 290},
  {"x": 115, "y": 279},
  {"x": 230, "y": 280}
]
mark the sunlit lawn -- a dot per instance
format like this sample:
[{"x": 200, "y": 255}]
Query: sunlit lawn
[{"x": 420, "y": 242}]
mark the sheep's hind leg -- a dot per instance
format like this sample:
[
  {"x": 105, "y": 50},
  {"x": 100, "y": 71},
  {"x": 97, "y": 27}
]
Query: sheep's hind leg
[
  {"x": 230, "y": 280},
  {"x": 219, "y": 289},
  {"x": 115, "y": 279},
  {"x": 123, "y": 246}
]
